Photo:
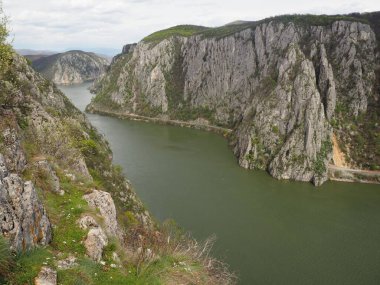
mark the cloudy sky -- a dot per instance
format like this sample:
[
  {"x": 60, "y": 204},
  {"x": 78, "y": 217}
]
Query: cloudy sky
[{"x": 106, "y": 25}]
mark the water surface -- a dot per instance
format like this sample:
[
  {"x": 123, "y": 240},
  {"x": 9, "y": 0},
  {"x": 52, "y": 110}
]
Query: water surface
[{"x": 269, "y": 231}]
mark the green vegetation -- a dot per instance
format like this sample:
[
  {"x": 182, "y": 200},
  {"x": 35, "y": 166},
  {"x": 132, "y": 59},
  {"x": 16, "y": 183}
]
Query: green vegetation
[
  {"x": 320, "y": 162},
  {"x": 6, "y": 52},
  {"x": 227, "y": 30},
  {"x": 5, "y": 258},
  {"x": 181, "y": 30},
  {"x": 28, "y": 264},
  {"x": 359, "y": 138},
  {"x": 259, "y": 155}
]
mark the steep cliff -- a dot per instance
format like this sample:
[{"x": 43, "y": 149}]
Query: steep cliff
[
  {"x": 61, "y": 196},
  {"x": 284, "y": 85},
  {"x": 71, "y": 67}
]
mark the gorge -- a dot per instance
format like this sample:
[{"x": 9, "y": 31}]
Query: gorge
[
  {"x": 93, "y": 191},
  {"x": 267, "y": 230},
  {"x": 285, "y": 85}
]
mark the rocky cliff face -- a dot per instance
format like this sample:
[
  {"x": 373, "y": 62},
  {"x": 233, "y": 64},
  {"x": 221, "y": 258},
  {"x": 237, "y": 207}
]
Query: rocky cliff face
[
  {"x": 71, "y": 67},
  {"x": 59, "y": 190},
  {"x": 277, "y": 83},
  {"x": 44, "y": 139}
]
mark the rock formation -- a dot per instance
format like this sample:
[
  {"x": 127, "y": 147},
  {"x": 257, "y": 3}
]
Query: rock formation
[{"x": 278, "y": 83}]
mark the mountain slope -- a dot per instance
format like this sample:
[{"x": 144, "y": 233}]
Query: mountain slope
[
  {"x": 71, "y": 67},
  {"x": 68, "y": 214},
  {"x": 283, "y": 84}
]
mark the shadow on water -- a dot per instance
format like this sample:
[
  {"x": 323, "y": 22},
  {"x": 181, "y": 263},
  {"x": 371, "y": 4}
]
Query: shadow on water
[{"x": 269, "y": 231}]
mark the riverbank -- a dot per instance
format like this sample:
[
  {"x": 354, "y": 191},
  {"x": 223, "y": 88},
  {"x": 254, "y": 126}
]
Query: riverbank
[
  {"x": 338, "y": 173},
  {"x": 192, "y": 177},
  {"x": 335, "y": 173},
  {"x": 164, "y": 121}
]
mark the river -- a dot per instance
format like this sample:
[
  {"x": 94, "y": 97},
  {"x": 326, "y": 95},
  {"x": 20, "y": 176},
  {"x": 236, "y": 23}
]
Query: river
[{"x": 268, "y": 231}]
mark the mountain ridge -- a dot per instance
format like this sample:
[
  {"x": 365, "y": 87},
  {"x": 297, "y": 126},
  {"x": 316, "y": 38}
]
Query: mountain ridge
[{"x": 71, "y": 67}]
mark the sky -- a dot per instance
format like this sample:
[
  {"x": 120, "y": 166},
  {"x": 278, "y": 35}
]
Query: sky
[{"x": 106, "y": 25}]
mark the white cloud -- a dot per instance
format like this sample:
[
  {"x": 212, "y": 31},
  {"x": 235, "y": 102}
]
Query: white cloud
[{"x": 85, "y": 24}]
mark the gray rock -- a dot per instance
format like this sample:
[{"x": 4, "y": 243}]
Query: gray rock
[
  {"x": 95, "y": 242},
  {"x": 71, "y": 67},
  {"x": 104, "y": 203},
  {"x": 45, "y": 166},
  {"x": 87, "y": 222},
  {"x": 23, "y": 218},
  {"x": 67, "y": 263},
  {"x": 47, "y": 276},
  {"x": 276, "y": 84}
]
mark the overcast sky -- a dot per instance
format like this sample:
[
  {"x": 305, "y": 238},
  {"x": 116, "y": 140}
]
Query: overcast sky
[{"x": 109, "y": 24}]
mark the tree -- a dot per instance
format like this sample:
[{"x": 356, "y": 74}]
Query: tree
[{"x": 6, "y": 52}]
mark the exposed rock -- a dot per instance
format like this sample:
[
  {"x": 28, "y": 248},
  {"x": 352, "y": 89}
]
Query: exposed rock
[
  {"x": 71, "y": 67},
  {"x": 44, "y": 165},
  {"x": 67, "y": 263},
  {"x": 47, "y": 276},
  {"x": 95, "y": 241},
  {"x": 277, "y": 83},
  {"x": 87, "y": 222},
  {"x": 23, "y": 218},
  {"x": 104, "y": 203},
  {"x": 115, "y": 257},
  {"x": 15, "y": 159}
]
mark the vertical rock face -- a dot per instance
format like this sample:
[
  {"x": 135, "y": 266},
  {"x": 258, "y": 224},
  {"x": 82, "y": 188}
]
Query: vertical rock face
[
  {"x": 276, "y": 83},
  {"x": 104, "y": 203},
  {"x": 23, "y": 218}
]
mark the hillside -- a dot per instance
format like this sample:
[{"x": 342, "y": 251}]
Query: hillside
[
  {"x": 71, "y": 67},
  {"x": 68, "y": 216},
  {"x": 283, "y": 84}
]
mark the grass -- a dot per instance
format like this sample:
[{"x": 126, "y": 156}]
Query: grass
[
  {"x": 320, "y": 162},
  {"x": 27, "y": 265},
  {"x": 180, "y": 30},
  {"x": 5, "y": 258}
]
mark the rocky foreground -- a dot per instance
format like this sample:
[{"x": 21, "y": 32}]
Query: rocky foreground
[
  {"x": 284, "y": 85},
  {"x": 67, "y": 214}
]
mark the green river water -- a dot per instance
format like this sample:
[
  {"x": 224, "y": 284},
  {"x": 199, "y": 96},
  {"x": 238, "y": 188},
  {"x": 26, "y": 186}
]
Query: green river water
[{"x": 268, "y": 231}]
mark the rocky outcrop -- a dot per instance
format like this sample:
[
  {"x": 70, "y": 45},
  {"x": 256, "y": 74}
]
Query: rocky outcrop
[
  {"x": 95, "y": 240},
  {"x": 103, "y": 202},
  {"x": 44, "y": 165},
  {"x": 47, "y": 276},
  {"x": 276, "y": 82},
  {"x": 71, "y": 67},
  {"x": 23, "y": 217}
]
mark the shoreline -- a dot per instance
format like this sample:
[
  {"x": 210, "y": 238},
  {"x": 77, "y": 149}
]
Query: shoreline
[
  {"x": 192, "y": 125},
  {"x": 335, "y": 173}
]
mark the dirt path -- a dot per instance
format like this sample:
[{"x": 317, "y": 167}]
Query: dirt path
[{"x": 338, "y": 156}]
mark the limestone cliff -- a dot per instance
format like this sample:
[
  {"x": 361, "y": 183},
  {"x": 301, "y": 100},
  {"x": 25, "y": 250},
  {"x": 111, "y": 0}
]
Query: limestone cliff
[
  {"x": 71, "y": 67},
  {"x": 61, "y": 196},
  {"x": 281, "y": 85}
]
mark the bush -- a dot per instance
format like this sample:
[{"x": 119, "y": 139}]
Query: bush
[{"x": 6, "y": 52}]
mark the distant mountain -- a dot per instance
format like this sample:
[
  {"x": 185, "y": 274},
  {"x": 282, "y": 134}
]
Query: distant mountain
[
  {"x": 71, "y": 67},
  {"x": 34, "y": 57},
  {"x": 35, "y": 52},
  {"x": 237, "y": 22}
]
